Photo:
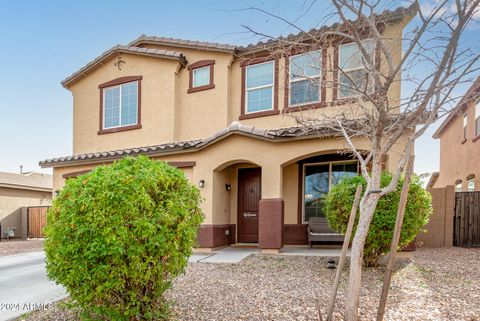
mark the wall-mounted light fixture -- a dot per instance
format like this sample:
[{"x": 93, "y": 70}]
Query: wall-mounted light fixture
[
  {"x": 228, "y": 187},
  {"x": 56, "y": 193},
  {"x": 201, "y": 184}
]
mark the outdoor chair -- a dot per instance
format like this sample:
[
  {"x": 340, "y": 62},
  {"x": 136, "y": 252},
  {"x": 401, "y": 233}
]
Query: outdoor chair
[{"x": 318, "y": 231}]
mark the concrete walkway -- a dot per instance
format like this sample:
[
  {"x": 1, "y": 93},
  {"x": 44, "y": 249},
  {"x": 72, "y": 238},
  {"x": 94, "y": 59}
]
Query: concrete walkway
[
  {"x": 233, "y": 254},
  {"x": 24, "y": 285}
]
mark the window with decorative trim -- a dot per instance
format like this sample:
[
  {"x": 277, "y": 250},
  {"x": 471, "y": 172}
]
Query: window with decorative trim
[
  {"x": 201, "y": 75},
  {"x": 458, "y": 185},
  {"x": 465, "y": 123},
  {"x": 353, "y": 76},
  {"x": 477, "y": 119},
  {"x": 120, "y": 104},
  {"x": 305, "y": 78},
  {"x": 259, "y": 87},
  {"x": 318, "y": 179},
  {"x": 471, "y": 185}
]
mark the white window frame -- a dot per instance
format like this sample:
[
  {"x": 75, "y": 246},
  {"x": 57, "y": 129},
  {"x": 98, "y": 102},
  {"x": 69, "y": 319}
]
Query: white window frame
[
  {"x": 465, "y": 124},
  {"x": 330, "y": 166},
  {"x": 477, "y": 118},
  {"x": 120, "y": 114},
  {"x": 290, "y": 80},
  {"x": 458, "y": 187},
  {"x": 209, "y": 75},
  {"x": 260, "y": 87},
  {"x": 471, "y": 182},
  {"x": 346, "y": 71}
]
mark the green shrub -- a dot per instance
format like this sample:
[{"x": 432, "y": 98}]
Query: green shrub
[
  {"x": 117, "y": 236},
  {"x": 338, "y": 205}
]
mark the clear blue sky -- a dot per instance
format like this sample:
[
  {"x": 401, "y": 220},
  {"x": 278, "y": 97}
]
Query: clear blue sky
[{"x": 45, "y": 41}]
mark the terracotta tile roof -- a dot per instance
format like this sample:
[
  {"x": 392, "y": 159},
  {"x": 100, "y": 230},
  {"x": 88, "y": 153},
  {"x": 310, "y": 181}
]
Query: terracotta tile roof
[
  {"x": 31, "y": 181},
  {"x": 134, "y": 47},
  {"x": 211, "y": 46},
  {"x": 125, "y": 49},
  {"x": 386, "y": 16},
  {"x": 193, "y": 145}
]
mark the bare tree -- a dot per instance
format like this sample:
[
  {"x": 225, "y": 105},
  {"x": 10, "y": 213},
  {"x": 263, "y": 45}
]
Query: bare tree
[{"x": 432, "y": 63}]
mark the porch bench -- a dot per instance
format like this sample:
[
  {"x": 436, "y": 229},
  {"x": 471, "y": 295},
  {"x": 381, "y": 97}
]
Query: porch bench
[{"x": 318, "y": 231}]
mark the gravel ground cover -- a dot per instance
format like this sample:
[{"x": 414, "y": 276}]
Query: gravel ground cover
[
  {"x": 18, "y": 246},
  {"x": 436, "y": 284}
]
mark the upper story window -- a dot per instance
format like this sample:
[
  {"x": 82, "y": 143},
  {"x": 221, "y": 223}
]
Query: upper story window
[
  {"x": 305, "y": 72},
  {"x": 458, "y": 185},
  {"x": 477, "y": 119},
  {"x": 471, "y": 184},
  {"x": 201, "y": 75},
  {"x": 353, "y": 76},
  {"x": 465, "y": 123},
  {"x": 120, "y": 104},
  {"x": 259, "y": 86}
]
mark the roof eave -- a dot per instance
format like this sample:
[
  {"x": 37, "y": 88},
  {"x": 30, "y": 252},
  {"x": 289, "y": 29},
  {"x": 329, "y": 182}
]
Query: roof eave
[
  {"x": 83, "y": 72},
  {"x": 139, "y": 41},
  {"x": 247, "y": 131},
  {"x": 26, "y": 187}
]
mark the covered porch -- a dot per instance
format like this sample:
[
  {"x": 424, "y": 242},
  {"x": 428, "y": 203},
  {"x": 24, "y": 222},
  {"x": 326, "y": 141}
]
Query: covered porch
[{"x": 269, "y": 207}]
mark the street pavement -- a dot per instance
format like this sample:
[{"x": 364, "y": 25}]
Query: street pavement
[{"x": 24, "y": 285}]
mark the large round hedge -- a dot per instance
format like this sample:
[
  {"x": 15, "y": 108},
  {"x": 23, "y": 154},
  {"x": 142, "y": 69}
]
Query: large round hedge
[
  {"x": 338, "y": 205},
  {"x": 117, "y": 236}
]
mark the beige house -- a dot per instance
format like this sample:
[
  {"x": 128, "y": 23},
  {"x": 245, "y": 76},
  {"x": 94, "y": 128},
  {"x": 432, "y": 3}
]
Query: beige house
[
  {"x": 19, "y": 191},
  {"x": 223, "y": 114},
  {"x": 459, "y": 138}
]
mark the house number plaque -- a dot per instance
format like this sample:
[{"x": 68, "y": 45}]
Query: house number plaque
[{"x": 249, "y": 214}]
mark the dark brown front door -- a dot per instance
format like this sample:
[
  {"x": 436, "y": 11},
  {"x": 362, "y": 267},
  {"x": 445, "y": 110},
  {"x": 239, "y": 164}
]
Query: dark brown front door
[{"x": 249, "y": 194}]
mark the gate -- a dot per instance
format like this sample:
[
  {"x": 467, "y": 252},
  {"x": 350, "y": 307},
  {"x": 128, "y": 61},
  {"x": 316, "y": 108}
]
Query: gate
[
  {"x": 37, "y": 219},
  {"x": 466, "y": 224}
]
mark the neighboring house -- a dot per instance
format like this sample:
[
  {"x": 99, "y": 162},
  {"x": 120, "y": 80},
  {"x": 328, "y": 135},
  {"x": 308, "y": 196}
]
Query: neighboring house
[
  {"x": 459, "y": 138},
  {"x": 221, "y": 113},
  {"x": 18, "y": 191}
]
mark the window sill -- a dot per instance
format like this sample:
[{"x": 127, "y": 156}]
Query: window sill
[
  {"x": 259, "y": 114},
  {"x": 118, "y": 129},
  {"x": 463, "y": 141},
  {"x": 474, "y": 139},
  {"x": 344, "y": 101},
  {"x": 291, "y": 109},
  {"x": 200, "y": 88}
]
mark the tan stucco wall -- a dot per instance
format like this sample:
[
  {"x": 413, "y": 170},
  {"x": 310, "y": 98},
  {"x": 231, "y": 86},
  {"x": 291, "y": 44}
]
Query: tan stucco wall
[
  {"x": 157, "y": 105},
  {"x": 290, "y": 193},
  {"x": 11, "y": 202},
  {"x": 438, "y": 232},
  {"x": 218, "y": 164},
  {"x": 458, "y": 160},
  {"x": 170, "y": 113}
]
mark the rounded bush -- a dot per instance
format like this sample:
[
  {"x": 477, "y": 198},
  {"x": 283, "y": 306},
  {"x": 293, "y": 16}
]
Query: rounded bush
[
  {"x": 338, "y": 205},
  {"x": 117, "y": 236}
]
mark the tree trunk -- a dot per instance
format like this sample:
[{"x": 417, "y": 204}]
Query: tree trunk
[{"x": 367, "y": 208}]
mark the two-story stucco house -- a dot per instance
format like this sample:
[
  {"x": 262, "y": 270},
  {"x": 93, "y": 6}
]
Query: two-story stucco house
[
  {"x": 223, "y": 114},
  {"x": 459, "y": 138}
]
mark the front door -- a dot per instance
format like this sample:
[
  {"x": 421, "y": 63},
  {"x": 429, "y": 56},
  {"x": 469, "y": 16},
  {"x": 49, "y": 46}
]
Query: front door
[{"x": 249, "y": 194}]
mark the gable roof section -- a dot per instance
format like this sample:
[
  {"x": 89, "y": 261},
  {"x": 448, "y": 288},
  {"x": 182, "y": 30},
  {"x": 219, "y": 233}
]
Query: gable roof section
[
  {"x": 157, "y": 53},
  {"x": 235, "y": 128},
  {"x": 472, "y": 94},
  {"x": 27, "y": 181}
]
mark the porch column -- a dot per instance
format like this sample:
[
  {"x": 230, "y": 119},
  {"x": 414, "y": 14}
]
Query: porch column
[{"x": 271, "y": 207}]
